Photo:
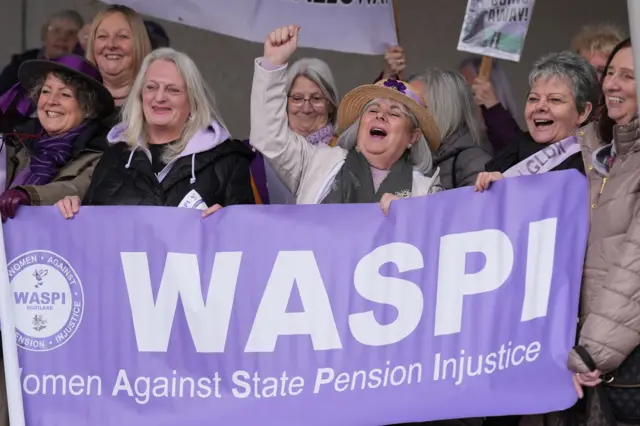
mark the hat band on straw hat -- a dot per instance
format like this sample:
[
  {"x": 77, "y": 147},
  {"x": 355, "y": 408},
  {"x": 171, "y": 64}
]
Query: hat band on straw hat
[
  {"x": 352, "y": 106},
  {"x": 402, "y": 88}
]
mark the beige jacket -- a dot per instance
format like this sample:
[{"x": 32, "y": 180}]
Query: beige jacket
[
  {"x": 590, "y": 142},
  {"x": 610, "y": 297},
  {"x": 306, "y": 170},
  {"x": 73, "y": 179}
]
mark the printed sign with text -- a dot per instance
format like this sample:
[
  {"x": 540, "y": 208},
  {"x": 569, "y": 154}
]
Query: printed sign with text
[{"x": 496, "y": 28}]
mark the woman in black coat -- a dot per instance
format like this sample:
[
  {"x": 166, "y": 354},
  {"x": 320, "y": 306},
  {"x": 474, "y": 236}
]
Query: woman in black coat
[
  {"x": 170, "y": 149},
  {"x": 564, "y": 89}
]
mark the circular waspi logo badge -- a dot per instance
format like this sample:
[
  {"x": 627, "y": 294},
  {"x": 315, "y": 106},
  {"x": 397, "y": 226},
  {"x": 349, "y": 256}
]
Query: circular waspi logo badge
[{"x": 48, "y": 300}]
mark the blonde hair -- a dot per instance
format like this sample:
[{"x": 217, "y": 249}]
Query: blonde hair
[
  {"x": 201, "y": 103},
  {"x": 141, "y": 42},
  {"x": 600, "y": 38}
]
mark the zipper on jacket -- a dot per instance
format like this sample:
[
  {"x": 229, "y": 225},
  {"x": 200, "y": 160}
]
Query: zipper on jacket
[
  {"x": 604, "y": 182},
  {"x": 597, "y": 198}
]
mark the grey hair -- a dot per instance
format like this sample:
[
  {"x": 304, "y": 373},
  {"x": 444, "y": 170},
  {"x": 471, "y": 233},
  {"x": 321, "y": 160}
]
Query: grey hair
[
  {"x": 575, "y": 70},
  {"x": 63, "y": 15},
  {"x": 451, "y": 103},
  {"x": 201, "y": 102},
  {"x": 83, "y": 92},
  {"x": 499, "y": 81},
  {"x": 420, "y": 153},
  {"x": 319, "y": 72}
]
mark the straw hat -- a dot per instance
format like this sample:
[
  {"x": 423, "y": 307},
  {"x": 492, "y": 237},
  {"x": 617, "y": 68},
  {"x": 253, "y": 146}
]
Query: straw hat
[{"x": 353, "y": 103}]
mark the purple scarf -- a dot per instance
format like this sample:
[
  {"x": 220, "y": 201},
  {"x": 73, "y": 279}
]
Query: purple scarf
[
  {"x": 48, "y": 155},
  {"x": 16, "y": 96},
  {"x": 321, "y": 136}
]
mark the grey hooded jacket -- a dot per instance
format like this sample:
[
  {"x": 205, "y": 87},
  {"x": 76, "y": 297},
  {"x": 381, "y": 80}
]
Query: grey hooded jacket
[{"x": 461, "y": 159}]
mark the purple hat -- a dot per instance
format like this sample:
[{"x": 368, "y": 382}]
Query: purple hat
[{"x": 78, "y": 67}]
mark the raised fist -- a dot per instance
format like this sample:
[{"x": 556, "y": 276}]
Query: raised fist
[{"x": 281, "y": 44}]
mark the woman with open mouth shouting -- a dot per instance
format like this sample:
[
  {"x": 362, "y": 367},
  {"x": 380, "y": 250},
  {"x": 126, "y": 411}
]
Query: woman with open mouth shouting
[
  {"x": 563, "y": 91},
  {"x": 385, "y": 132}
]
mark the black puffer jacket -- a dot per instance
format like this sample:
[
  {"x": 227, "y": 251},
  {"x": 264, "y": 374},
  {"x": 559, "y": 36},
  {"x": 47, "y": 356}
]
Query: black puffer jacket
[
  {"x": 460, "y": 159},
  {"x": 217, "y": 171}
]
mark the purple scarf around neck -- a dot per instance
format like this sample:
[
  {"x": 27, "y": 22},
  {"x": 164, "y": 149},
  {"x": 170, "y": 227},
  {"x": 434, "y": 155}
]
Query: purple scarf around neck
[
  {"x": 321, "y": 136},
  {"x": 48, "y": 155}
]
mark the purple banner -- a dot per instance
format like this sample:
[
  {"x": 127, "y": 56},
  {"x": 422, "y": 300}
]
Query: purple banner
[{"x": 459, "y": 304}]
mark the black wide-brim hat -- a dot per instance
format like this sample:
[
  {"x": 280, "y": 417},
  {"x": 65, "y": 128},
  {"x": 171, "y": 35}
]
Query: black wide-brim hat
[{"x": 32, "y": 70}]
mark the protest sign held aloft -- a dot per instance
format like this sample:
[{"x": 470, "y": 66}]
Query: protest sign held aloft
[
  {"x": 496, "y": 28},
  {"x": 352, "y": 26}
]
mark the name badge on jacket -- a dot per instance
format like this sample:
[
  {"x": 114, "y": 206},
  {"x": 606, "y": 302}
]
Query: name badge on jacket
[{"x": 193, "y": 200}]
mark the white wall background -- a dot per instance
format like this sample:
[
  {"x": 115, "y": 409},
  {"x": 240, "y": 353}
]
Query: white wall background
[{"x": 429, "y": 31}]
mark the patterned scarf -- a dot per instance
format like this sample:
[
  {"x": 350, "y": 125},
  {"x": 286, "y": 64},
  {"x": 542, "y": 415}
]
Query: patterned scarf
[
  {"x": 48, "y": 155},
  {"x": 321, "y": 136}
]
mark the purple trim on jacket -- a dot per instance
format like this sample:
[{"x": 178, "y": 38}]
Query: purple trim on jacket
[
  {"x": 502, "y": 128},
  {"x": 259, "y": 174}
]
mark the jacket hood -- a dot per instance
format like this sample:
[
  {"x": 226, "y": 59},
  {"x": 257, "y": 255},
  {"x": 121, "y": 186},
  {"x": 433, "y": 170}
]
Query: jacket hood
[
  {"x": 454, "y": 144},
  {"x": 203, "y": 140}
]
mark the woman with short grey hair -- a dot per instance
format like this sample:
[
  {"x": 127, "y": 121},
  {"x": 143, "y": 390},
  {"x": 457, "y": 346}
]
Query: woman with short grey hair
[
  {"x": 563, "y": 91},
  {"x": 571, "y": 68},
  {"x": 312, "y": 105},
  {"x": 464, "y": 150}
]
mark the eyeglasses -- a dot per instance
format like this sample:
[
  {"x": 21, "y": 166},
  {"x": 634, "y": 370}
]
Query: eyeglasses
[
  {"x": 63, "y": 32},
  {"x": 316, "y": 101}
]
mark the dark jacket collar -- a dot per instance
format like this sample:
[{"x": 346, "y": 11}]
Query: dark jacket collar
[
  {"x": 186, "y": 166},
  {"x": 626, "y": 138}
]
